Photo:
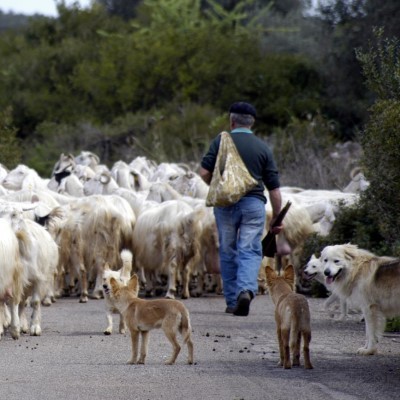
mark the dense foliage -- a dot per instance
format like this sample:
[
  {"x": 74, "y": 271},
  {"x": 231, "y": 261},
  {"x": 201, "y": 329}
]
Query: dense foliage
[
  {"x": 381, "y": 138},
  {"x": 10, "y": 148},
  {"x": 374, "y": 222},
  {"x": 146, "y": 77},
  {"x": 87, "y": 71}
]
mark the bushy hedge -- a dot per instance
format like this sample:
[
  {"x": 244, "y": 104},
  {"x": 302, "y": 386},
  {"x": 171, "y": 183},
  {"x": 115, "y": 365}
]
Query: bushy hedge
[{"x": 10, "y": 146}]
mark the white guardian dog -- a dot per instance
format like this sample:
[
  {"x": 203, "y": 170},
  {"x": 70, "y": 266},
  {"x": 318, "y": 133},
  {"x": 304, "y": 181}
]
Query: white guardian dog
[
  {"x": 314, "y": 270},
  {"x": 368, "y": 282}
]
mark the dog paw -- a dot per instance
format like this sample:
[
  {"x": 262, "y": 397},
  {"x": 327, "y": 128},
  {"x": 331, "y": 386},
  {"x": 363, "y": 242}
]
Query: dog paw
[
  {"x": 295, "y": 364},
  {"x": 366, "y": 352},
  {"x": 131, "y": 362}
]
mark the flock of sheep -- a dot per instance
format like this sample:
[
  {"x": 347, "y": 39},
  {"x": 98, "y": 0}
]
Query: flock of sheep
[{"x": 59, "y": 233}]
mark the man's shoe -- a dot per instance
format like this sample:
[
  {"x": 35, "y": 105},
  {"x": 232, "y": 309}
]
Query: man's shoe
[
  {"x": 243, "y": 304},
  {"x": 229, "y": 310}
]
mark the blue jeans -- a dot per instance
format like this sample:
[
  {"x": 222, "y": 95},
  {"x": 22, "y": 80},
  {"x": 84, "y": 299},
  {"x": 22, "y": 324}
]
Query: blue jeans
[{"x": 240, "y": 229}]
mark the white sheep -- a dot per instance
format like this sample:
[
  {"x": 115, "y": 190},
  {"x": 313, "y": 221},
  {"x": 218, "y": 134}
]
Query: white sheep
[
  {"x": 39, "y": 256},
  {"x": 189, "y": 184},
  {"x": 83, "y": 172},
  {"x": 143, "y": 166},
  {"x": 92, "y": 233},
  {"x": 164, "y": 171},
  {"x": 88, "y": 158},
  {"x": 62, "y": 169},
  {"x": 12, "y": 277},
  {"x": 155, "y": 244},
  {"x": 162, "y": 191},
  {"x": 321, "y": 205},
  {"x": 103, "y": 183},
  {"x": 358, "y": 182},
  {"x": 23, "y": 177},
  {"x": 207, "y": 270},
  {"x": 3, "y": 172},
  {"x": 71, "y": 186}
]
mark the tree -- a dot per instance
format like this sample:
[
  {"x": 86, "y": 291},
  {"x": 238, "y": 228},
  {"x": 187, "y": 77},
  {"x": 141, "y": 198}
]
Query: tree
[
  {"x": 10, "y": 148},
  {"x": 349, "y": 24},
  {"x": 381, "y": 137},
  {"x": 125, "y": 9}
]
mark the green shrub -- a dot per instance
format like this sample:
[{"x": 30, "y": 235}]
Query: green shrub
[
  {"x": 10, "y": 147},
  {"x": 392, "y": 325},
  {"x": 381, "y": 138},
  {"x": 177, "y": 133}
]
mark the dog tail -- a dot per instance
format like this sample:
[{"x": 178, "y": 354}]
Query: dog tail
[{"x": 127, "y": 258}]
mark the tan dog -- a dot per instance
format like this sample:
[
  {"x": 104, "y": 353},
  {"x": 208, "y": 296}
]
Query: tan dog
[
  {"x": 122, "y": 275},
  {"x": 141, "y": 316},
  {"x": 292, "y": 316}
]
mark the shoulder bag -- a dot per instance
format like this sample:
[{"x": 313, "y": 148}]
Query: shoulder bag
[{"x": 230, "y": 179}]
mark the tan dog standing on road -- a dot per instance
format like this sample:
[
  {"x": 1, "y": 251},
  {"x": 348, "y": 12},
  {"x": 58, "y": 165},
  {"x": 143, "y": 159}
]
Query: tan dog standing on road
[
  {"x": 141, "y": 316},
  {"x": 292, "y": 316},
  {"x": 122, "y": 275}
]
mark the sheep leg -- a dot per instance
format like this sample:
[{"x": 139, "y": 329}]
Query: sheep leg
[
  {"x": 171, "y": 280},
  {"x": 84, "y": 297},
  {"x": 23, "y": 321},
  {"x": 15, "y": 321},
  {"x": 35, "y": 329}
]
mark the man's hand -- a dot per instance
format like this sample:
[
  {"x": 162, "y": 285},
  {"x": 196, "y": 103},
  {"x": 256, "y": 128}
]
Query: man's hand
[
  {"x": 275, "y": 229},
  {"x": 205, "y": 175}
]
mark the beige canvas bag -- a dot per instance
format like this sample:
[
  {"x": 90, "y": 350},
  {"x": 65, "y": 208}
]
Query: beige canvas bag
[{"x": 230, "y": 180}]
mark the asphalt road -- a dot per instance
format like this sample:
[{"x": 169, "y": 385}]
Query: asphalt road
[{"x": 235, "y": 358}]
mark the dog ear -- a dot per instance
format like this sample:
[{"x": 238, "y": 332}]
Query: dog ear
[
  {"x": 114, "y": 285},
  {"x": 350, "y": 251},
  {"x": 289, "y": 275},
  {"x": 270, "y": 275},
  {"x": 106, "y": 267},
  {"x": 134, "y": 284}
]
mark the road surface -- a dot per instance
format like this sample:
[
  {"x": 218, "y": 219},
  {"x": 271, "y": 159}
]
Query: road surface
[{"x": 235, "y": 358}]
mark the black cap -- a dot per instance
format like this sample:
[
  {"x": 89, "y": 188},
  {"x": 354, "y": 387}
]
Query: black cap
[{"x": 240, "y": 107}]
